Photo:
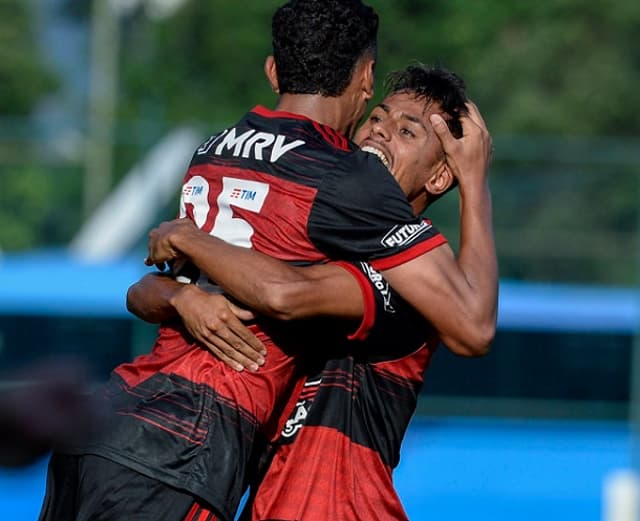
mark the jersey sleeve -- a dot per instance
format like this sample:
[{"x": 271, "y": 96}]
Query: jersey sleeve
[
  {"x": 361, "y": 214},
  {"x": 390, "y": 327}
]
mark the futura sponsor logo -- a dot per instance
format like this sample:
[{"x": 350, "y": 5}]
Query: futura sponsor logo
[{"x": 400, "y": 235}]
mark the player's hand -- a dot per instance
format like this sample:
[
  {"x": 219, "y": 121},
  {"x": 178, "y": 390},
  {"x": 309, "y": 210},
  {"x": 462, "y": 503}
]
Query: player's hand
[
  {"x": 470, "y": 156},
  {"x": 216, "y": 324},
  {"x": 161, "y": 241}
]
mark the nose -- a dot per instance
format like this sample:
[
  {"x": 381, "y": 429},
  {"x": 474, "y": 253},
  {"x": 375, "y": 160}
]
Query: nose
[{"x": 380, "y": 129}]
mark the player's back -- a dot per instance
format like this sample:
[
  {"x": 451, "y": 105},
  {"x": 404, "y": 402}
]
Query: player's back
[
  {"x": 182, "y": 415},
  {"x": 254, "y": 184}
]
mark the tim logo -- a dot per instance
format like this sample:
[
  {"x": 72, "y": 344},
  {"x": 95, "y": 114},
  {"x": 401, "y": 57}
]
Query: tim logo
[
  {"x": 190, "y": 190},
  {"x": 401, "y": 235},
  {"x": 245, "y": 195}
]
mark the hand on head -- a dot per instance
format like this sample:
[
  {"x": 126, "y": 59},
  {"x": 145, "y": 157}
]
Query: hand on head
[{"x": 470, "y": 156}]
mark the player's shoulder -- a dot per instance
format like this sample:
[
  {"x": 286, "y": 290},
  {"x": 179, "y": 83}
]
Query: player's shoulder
[
  {"x": 365, "y": 177},
  {"x": 316, "y": 135}
]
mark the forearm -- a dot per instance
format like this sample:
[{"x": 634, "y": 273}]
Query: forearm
[
  {"x": 477, "y": 256},
  {"x": 325, "y": 290},
  {"x": 457, "y": 296},
  {"x": 151, "y": 298},
  {"x": 270, "y": 286}
]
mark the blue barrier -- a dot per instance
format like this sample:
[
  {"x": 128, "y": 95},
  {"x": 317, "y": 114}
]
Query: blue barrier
[
  {"x": 460, "y": 469},
  {"x": 56, "y": 283}
]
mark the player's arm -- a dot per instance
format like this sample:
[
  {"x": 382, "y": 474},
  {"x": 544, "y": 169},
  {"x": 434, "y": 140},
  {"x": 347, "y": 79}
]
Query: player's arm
[
  {"x": 264, "y": 284},
  {"x": 211, "y": 319},
  {"x": 268, "y": 286},
  {"x": 459, "y": 296}
]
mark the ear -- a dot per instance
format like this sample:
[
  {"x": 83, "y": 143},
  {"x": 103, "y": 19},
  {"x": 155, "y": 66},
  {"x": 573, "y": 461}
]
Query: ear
[
  {"x": 368, "y": 78},
  {"x": 440, "y": 181},
  {"x": 271, "y": 72}
]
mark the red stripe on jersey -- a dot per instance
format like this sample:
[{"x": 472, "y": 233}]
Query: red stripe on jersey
[
  {"x": 411, "y": 367},
  {"x": 331, "y": 136},
  {"x": 253, "y": 395},
  {"x": 325, "y": 476},
  {"x": 268, "y": 113},
  {"x": 199, "y": 513},
  {"x": 192, "y": 512},
  {"x": 368, "y": 318},
  {"x": 409, "y": 254}
]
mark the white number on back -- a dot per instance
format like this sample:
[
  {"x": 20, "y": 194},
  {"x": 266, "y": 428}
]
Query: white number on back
[{"x": 240, "y": 193}]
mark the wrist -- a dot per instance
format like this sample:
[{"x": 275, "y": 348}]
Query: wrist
[
  {"x": 180, "y": 239},
  {"x": 474, "y": 186},
  {"x": 180, "y": 295}
]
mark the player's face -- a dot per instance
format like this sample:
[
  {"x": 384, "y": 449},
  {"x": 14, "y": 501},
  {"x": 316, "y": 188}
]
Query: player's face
[{"x": 399, "y": 132}]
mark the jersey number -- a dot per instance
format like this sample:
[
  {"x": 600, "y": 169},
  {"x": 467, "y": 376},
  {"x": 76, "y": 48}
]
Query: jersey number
[{"x": 220, "y": 221}]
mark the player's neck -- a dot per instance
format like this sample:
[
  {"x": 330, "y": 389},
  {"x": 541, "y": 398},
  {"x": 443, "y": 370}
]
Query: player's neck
[{"x": 325, "y": 110}]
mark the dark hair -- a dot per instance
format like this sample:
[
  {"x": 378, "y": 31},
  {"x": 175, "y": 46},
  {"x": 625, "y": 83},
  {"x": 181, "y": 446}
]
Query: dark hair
[
  {"x": 434, "y": 84},
  {"x": 317, "y": 44}
]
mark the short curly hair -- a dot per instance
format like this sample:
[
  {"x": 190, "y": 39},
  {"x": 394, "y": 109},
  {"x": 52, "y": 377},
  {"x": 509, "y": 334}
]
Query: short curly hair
[
  {"x": 317, "y": 44},
  {"x": 435, "y": 84}
]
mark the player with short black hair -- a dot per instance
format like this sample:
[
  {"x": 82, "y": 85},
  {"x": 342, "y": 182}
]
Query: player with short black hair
[{"x": 328, "y": 38}]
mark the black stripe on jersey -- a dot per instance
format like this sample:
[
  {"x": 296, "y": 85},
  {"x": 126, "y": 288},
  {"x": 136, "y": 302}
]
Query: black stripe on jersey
[
  {"x": 181, "y": 433},
  {"x": 369, "y": 406}
]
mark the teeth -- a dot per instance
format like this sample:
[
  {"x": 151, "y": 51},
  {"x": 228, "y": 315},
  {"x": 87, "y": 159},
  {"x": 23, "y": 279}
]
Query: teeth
[{"x": 377, "y": 153}]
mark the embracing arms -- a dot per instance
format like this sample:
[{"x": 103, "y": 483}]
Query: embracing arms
[
  {"x": 273, "y": 288},
  {"x": 460, "y": 296}
]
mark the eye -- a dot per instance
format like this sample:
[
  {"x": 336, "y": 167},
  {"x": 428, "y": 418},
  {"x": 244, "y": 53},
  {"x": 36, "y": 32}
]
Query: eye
[
  {"x": 406, "y": 132},
  {"x": 375, "y": 119}
]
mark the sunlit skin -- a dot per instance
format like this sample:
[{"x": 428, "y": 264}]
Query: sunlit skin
[{"x": 399, "y": 129}]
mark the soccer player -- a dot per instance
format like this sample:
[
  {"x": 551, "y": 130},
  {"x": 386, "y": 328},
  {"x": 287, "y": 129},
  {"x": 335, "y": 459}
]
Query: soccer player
[
  {"x": 185, "y": 427},
  {"x": 335, "y": 455},
  {"x": 351, "y": 416}
]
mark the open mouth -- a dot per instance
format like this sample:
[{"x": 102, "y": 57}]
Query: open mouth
[{"x": 378, "y": 153}]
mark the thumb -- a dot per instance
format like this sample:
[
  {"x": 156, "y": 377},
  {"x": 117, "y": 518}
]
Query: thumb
[
  {"x": 241, "y": 313},
  {"x": 441, "y": 129}
]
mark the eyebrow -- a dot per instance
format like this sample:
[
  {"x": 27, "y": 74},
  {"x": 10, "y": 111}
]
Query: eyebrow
[{"x": 404, "y": 115}]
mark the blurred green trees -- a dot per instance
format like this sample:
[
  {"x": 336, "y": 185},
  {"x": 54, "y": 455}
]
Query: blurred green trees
[
  {"x": 24, "y": 77},
  {"x": 555, "y": 80},
  {"x": 562, "y": 67}
]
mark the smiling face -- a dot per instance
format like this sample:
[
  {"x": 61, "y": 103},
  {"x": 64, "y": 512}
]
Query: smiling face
[{"x": 398, "y": 131}]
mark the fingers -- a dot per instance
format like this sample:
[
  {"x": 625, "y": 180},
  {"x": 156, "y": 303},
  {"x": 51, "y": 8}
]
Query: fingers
[
  {"x": 161, "y": 266},
  {"x": 242, "y": 314},
  {"x": 243, "y": 354},
  {"x": 233, "y": 343},
  {"x": 442, "y": 131},
  {"x": 475, "y": 116},
  {"x": 221, "y": 355}
]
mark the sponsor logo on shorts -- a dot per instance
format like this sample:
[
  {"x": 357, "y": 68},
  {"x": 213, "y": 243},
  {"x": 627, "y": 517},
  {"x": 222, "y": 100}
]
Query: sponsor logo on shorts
[{"x": 401, "y": 235}]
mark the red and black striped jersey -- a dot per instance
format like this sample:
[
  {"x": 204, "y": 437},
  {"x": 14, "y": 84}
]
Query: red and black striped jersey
[
  {"x": 336, "y": 453},
  {"x": 298, "y": 191}
]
